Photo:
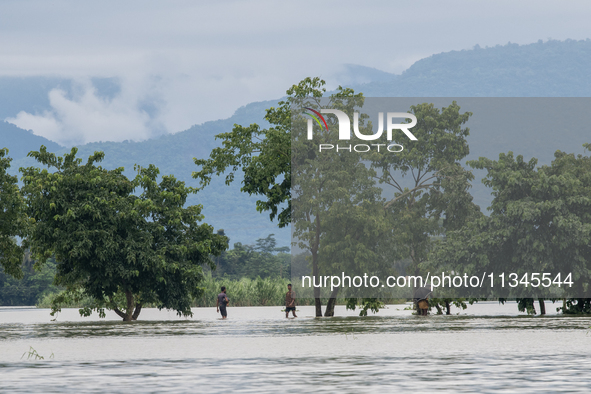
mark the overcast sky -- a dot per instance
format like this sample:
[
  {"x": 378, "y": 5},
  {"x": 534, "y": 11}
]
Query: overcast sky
[{"x": 199, "y": 61}]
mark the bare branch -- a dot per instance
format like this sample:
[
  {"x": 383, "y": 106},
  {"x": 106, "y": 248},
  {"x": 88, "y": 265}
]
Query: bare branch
[{"x": 407, "y": 193}]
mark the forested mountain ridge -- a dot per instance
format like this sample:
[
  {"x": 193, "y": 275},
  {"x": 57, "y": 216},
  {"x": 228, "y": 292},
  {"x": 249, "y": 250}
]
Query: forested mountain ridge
[{"x": 542, "y": 69}]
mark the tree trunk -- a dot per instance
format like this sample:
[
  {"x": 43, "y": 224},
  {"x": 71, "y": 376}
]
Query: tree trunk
[
  {"x": 318, "y": 304},
  {"x": 447, "y": 308},
  {"x": 542, "y": 306},
  {"x": 130, "y": 305},
  {"x": 331, "y": 303},
  {"x": 316, "y": 276},
  {"x": 130, "y": 313},
  {"x": 439, "y": 311},
  {"x": 119, "y": 312},
  {"x": 136, "y": 313}
]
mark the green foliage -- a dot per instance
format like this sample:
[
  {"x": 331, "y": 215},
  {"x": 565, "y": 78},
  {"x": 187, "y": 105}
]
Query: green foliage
[
  {"x": 270, "y": 291},
  {"x": 66, "y": 299},
  {"x": 32, "y": 353},
  {"x": 575, "y": 306},
  {"x": 13, "y": 220},
  {"x": 244, "y": 291},
  {"x": 540, "y": 221},
  {"x": 364, "y": 305},
  {"x": 263, "y": 260},
  {"x": 32, "y": 287},
  {"x": 108, "y": 241},
  {"x": 437, "y": 199},
  {"x": 262, "y": 154},
  {"x": 440, "y": 303}
]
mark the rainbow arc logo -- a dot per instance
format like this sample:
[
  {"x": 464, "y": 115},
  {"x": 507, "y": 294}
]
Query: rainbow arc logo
[{"x": 316, "y": 118}]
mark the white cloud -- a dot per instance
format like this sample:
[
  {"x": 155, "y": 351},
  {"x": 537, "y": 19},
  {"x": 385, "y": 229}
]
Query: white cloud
[
  {"x": 86, "y": 117},
  {"x": 198, "y": 61}
]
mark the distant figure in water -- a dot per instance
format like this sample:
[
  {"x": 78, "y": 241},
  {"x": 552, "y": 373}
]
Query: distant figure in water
[
  {"x": 423, "y": 307},
  {"x": 421, "y": 299},
  {"x": 222, "y": 302},
  {"x": 289, "y": 302}
]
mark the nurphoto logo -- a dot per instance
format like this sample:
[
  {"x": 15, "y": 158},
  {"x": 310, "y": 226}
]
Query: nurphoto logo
[{"x": 345, "y": 129}]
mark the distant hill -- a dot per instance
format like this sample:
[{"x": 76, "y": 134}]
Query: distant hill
[
  {"x": 354, "y": 74},
  {"x": 20, "y": 142},
  {"x": 543, "y": 69}
]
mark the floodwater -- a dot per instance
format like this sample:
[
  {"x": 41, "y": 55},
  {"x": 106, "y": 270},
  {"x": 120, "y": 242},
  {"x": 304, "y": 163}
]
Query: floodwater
[{"x": 486, "y": 348}]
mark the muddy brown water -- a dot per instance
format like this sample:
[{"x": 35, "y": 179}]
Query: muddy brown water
[{"x": 486, "y": 348}]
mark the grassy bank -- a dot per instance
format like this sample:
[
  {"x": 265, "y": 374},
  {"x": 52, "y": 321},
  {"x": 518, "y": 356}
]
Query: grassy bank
[
  {"x": 241, "y": 292},
  {"x": 245, "y": 291}
]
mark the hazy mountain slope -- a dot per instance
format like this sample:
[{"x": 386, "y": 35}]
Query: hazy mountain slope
[{"x": 20, "y": 142}]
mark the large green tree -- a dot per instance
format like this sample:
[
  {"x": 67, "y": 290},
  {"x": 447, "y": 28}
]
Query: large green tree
[
  {"x": 337, "y": 210},
  {"x": 429, "y": 184},
  {"x": 540, "y": 222},
  {"x": 123, "y": 250},
  {"x": 13, "y": 219},
  {"x": 430, "y": 187}
]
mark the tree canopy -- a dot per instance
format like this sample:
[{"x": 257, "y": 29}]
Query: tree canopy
[
  {"x": 13, "y": 219},
  {"x": 430, "y": 186},
  {"x": 263, "y": 259},
  {"x": 264, "y": 156},
  {"x": 337, "y": 211},
  {"x": 123, "y": 250},
  {"x": 540, "y": 221}
]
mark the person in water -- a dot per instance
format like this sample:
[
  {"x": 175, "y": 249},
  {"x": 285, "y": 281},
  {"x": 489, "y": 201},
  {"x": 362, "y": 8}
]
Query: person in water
[
  {"x": 222, "y": 302},
  {"x": 289, "y": 302},
  {"x": 423, "y": 307}
]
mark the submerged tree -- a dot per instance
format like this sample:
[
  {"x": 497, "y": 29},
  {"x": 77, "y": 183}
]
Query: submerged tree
[
  {"x": 540, "y": 222},
  {"x": 430, "y": 186},
  {"x": 337, "y": 213},
  {"x": 121, "y": 249}
]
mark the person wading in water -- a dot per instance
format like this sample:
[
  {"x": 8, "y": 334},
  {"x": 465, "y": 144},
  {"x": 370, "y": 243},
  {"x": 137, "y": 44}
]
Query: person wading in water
[
  {"x": 222, "y": 302},
  {"x": 289, "y": 301}
]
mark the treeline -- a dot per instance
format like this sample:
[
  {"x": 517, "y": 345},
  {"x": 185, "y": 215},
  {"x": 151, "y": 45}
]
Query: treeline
[
  {"x": 261, "y": 260},
  {"x": 33, "y": 286},
  {"x": 128, "y": 243},
  {"x": 258, "y": 274}
]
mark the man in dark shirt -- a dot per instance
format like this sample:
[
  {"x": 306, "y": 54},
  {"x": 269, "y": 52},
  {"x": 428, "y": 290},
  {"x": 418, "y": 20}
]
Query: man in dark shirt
[
  {"x": 289, "y": 302},
  {"x": 222, "y": 302}
]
